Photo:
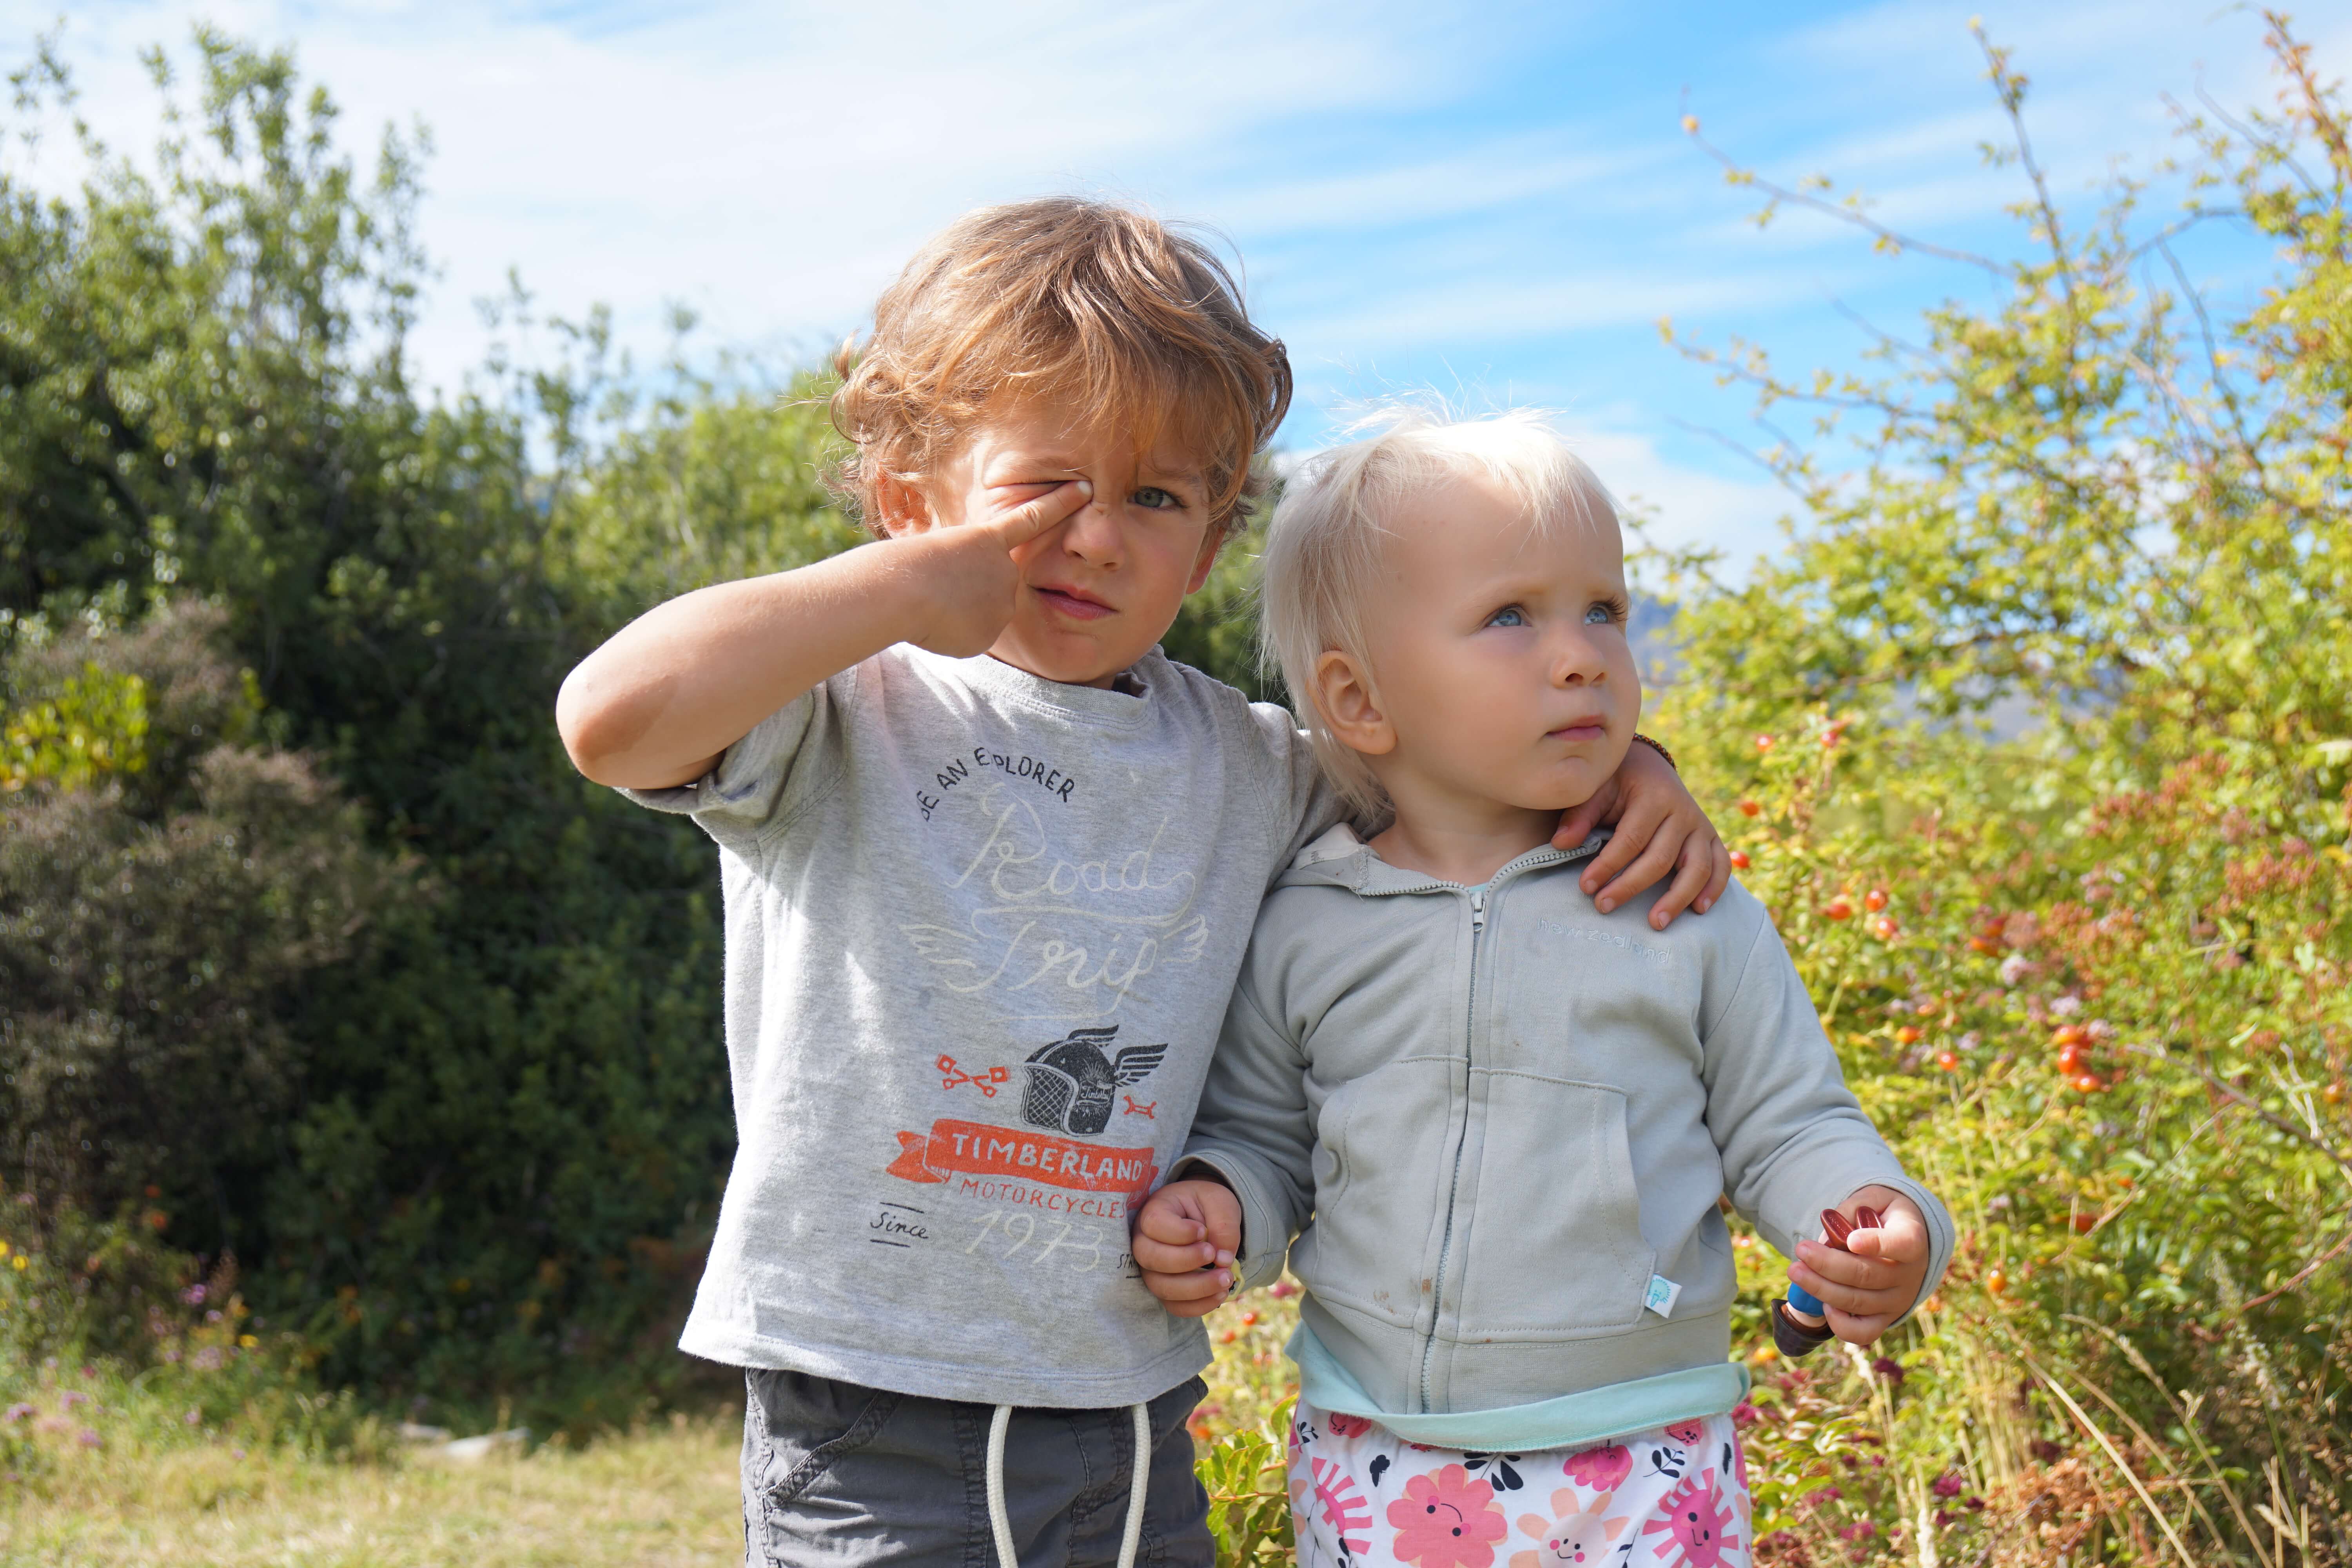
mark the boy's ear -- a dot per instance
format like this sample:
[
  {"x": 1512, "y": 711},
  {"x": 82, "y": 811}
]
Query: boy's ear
[
  {"x": 1211, "y": 546},
  {"x": 904, "y": 507},
  {"x": 1345, "y": 696}
]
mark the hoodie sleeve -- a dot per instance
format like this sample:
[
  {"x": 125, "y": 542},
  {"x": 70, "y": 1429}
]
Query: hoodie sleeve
[
  {"x": 1794, "y": 1142},
  {"x": 1253, "y": 1129}
]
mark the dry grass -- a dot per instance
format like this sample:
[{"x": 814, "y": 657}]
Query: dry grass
[{"x": 662, "y": 1498}]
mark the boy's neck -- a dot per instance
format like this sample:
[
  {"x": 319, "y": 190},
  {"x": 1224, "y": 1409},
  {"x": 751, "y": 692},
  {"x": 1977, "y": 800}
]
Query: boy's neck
[{"x": 1461, "y": 840}]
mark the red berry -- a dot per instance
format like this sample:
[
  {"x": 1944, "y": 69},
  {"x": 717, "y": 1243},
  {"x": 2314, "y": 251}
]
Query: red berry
[
  {"x": 1906, "y": 1035},
  {"x": 1948, "y": 1061},
  {"x": 2072, "y": 1062},
  {"x": 2084, "y": 1224},
  {"x": 1752, "y": 808},
  {"x": 2089, "y": 1083},
  {"x": 1874, "y": 899},
  {"x": 1249, "y": 1319},
  {"x": 1740, "y": 859},
  {"x": 1839, "y": 909},
  {"x": 1227, "y": 1337},
  {"x": 1882, "y": 928}
]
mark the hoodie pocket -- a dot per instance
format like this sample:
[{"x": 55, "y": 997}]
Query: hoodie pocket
[
  {"x": 1382, "y": 1172},
  {"x": 1555, "y": 1243}
]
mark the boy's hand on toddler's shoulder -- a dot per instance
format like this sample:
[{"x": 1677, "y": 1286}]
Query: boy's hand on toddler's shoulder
[
  {"x": 1185, "y": 1236},
  {"x": 1876, "y": 1281},
  {"x": 1660, "y": 828},
  {"x": 969, "y": 574}
]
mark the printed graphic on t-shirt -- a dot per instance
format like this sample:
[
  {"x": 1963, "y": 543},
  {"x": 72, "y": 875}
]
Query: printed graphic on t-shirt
[{"x": 1051, "y": 938}]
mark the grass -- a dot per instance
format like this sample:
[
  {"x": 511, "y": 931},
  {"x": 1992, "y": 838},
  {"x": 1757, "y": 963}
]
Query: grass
[
  {"x": 103, "y": 1471},
  {"x": 662, "y": 1497}
]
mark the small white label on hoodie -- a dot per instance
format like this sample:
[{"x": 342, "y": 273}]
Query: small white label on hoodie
[{"x": 1662, "y": 1295}]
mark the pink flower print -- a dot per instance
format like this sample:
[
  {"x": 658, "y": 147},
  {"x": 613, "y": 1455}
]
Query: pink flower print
[
  {"x": 1343, "y": 1508},
  {"x": 1600, "y": 1470},
  {"x": 1698, "y": 1524},
  {"x": 1447, "y": 1520},
  {"x": 1574, "y": 1536},
  {"x": 1346, "y": 1425},
  {"x": 1687, "y": 1433}
]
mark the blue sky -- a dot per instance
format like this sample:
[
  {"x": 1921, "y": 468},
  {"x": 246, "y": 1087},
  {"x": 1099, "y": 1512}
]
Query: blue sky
[{"x": 1494, "y": 200}]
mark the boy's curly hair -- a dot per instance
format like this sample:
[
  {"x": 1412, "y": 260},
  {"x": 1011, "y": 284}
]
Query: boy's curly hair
[{"x": 1099, "y": 307}]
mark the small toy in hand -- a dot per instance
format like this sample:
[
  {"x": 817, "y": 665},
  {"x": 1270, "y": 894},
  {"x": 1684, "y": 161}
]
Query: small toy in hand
[{"x": 1800, "y": 1322}]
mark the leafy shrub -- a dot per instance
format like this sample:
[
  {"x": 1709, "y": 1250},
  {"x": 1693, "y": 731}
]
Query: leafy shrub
[{"x": 153, "y": 918}]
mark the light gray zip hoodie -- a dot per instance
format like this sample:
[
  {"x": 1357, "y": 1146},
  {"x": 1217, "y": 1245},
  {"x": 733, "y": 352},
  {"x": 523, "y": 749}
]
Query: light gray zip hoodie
[{"x": 1506, "y": 1112}]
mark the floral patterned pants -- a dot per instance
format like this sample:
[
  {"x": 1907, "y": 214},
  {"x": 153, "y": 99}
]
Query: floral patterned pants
[{"x": 1676, "y": 1497}]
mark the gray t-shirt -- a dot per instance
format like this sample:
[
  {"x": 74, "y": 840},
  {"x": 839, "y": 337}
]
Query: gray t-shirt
[{"x": 980, "y": 931}]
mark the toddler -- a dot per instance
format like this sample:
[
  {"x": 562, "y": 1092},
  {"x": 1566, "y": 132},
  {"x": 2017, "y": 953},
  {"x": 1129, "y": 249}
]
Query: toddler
[
  {"x": 1497, "y": 1120},
  {"x": 989, "y": 863}
]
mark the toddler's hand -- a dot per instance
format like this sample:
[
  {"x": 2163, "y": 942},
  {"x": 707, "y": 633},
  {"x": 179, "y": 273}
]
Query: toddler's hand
[
  {"x": 1874, "y": 1281},
  {"x": 1185, "y": 1238},
  {"x": 969, "y": 574},
  {"x": 1659, "y": 828}
]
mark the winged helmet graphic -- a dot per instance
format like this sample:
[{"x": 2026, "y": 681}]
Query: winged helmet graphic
[{"x": 1073, "y": 1081}]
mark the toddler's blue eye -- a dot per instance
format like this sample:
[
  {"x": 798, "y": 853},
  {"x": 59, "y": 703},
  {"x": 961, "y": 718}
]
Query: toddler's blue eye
[
  {"x": 1158, "y": 500},
  {"x": 1600, "y": 616},
  {"x": 1513, "y": 616}
]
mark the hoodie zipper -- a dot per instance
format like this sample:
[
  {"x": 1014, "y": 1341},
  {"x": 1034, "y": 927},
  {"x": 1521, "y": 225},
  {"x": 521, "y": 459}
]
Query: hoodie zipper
[
  {"x": 1534, "y": 860},
  {"x": 1461, "y": 1144}
]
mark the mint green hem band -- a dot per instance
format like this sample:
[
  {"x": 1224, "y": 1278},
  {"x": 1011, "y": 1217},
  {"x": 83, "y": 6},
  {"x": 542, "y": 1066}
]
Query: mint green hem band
[{"x": 1573, "y": 1420}]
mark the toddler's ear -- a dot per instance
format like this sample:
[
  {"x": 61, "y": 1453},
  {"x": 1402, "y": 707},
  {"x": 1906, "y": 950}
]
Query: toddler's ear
[{"x": 1343, "y": 691}]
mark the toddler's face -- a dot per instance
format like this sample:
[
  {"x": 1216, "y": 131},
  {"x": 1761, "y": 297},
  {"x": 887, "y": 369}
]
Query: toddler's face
[
  {"x": 1500, "y": 668},
  {"x": 1098, "y": 590}
]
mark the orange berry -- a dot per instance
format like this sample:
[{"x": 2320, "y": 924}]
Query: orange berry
[
  {"x": 2084, "y": 1224},
  {"x": 1765, "y": 742},
  {"x": 2071, "y": 1034},
  {"x": 2089, "y": 1083},
  {"x": 2333, "y": 1093},
  {"x": 1874, "y": 899},
  {"x": 1906, "y": 1035},
  {"x": 1227, "y": 1337},
  {"x": 1740, "y": 860},
  {"x": 2072, "y": 1062},
  {"x": 1249, "y": 1319},
  {"x": 1839, "y": 909},
  {"x": 1882, "y": 928},
  {"x": 1996, "y": 1282},
  {"x": 1948, "y": 1061},
  {"x": 1752, "y": 808}
]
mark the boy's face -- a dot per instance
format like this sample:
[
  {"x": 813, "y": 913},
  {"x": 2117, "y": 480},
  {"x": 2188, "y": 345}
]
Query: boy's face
[
  {"x": 1500, "y": 671},
  {"x": 1103, "y": 586}
]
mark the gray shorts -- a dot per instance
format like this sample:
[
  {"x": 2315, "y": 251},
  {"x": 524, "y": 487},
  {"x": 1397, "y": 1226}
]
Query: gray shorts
[{"x": 844, "y": 1476}]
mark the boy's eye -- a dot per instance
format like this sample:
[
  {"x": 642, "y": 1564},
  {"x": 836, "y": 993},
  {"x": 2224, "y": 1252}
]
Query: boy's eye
[
  {"x": 1600, "y": 616},
  {"x": 1158, "y": 500},
  {"x": 1510, "y": 616}
]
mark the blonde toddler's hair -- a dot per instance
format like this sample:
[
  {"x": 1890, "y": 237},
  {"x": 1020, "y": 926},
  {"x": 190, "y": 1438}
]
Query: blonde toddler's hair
[
  {"x": 1132, "y": 323},
  {"x": 1323, "y": 549}
]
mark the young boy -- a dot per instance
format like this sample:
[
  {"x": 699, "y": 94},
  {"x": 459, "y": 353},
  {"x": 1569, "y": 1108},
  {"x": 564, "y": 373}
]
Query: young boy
[
  {"x": 1497, "y": 1121},
  {"x": 989, "y": 861}
]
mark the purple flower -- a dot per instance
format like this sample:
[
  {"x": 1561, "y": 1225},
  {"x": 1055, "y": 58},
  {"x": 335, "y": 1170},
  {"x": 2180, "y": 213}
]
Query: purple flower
[
  {"x": 194, "y": 1296},
  {"x": 208, "y": 1359},
  {"x": 89, "y": 1440},
  {"x": 213, "y": 1316},
  {"x": 1890, "y": 1369},
  {"x": 16, "y": 1413},
  {"x": 194, "y": 1417},
  {"x": 71, "y": 1397},
  {"x": 1859, "y": 1530},
  {"x": 1745, "y": 1415},
  {"x": 1948, "y": 1484}
]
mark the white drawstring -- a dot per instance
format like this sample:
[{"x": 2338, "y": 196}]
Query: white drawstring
[{"x": 1000, "y": 1521}]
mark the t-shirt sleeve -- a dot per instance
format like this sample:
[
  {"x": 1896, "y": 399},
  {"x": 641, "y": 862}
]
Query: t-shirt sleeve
[
  {"x": 749, "y": 784},
  {"x": 1301, "y": 800},
  {"x": 1793, "y": 1138}
]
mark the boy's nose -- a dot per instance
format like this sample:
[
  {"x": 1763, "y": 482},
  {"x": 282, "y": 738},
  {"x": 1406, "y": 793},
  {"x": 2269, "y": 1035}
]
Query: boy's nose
[{"x": 1578, "y": 661}]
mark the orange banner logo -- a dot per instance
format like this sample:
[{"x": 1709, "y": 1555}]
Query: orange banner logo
[{"x": 952, "y": 1147}]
